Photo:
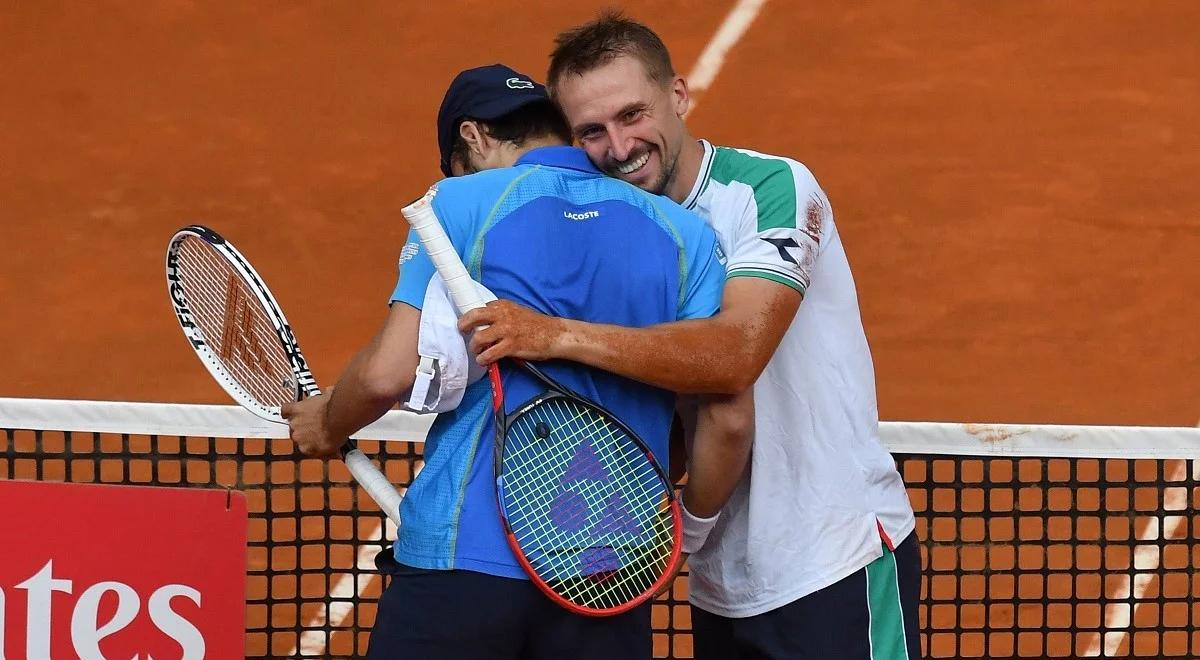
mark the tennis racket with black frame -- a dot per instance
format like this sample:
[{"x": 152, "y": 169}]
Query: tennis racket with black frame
[
  {"x": 587, "y": 509},
  {"x": 236, "y": 328}
]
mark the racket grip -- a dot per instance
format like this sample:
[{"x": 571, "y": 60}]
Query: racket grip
[
  {"x": 424, "y": 221},
  {"x": 372, "y": 480}
]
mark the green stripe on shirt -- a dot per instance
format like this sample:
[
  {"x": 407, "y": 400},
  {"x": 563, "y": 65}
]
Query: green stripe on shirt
[
  {"x": 771, "y": 180},
  {"x": 766, "y": 275}
]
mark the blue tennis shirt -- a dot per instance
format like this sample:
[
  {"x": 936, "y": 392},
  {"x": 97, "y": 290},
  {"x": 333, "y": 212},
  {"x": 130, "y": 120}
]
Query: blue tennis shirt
[{"x": 556, "y": 235}]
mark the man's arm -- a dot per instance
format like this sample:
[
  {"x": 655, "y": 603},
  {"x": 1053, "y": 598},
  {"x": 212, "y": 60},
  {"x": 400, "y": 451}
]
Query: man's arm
[
  {"x": 724, "y": 354},
  {"x": 377, "y": 376},
  {"x": 718, "y": 453},
  {"x": 716, "y": 460}
]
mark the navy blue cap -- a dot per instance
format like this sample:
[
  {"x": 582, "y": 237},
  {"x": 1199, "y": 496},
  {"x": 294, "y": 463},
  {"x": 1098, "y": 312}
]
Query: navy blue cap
[{"x": 486, "y": 92}]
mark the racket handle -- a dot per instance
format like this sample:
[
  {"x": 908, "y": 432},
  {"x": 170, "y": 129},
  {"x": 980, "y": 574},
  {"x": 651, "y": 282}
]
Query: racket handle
[
  {"x": 420, "y": 216},
  {"x": 372, "y": 480},
  {"x": 361, "y": 468}
]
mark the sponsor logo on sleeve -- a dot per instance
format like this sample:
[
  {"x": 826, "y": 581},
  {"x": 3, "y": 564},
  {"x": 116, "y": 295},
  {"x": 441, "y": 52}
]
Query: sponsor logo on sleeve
[
  {"x": 785, "y": 246},
  {"x": 407, "y": 252}
]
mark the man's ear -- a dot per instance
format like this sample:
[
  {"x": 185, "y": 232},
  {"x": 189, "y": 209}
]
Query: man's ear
[
  {"x": 474, "y": 135},
  {"x": 681, "y": 96}
]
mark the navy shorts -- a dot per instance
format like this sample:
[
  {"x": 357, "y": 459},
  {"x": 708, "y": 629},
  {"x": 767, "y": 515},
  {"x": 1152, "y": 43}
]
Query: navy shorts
[
  {"x": 460, "y": 615},
  {"x": 869, "y": 615}
]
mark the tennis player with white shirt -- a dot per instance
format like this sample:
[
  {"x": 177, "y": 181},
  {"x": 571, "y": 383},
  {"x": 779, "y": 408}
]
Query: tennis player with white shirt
[{"x": 814, "y": 555}]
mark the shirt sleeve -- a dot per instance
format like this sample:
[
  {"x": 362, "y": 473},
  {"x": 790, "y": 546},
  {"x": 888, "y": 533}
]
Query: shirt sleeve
[
  {"x": 416, "y": 268},
  {"x": 779, "y": 232},
  {"x": 705, "y": 279}
]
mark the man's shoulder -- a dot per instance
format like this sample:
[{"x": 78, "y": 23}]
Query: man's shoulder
[
  {"x": 681, "y": 218},
  {"x": 654, "y": 205},
  {"x": 774, "y": 191},
  {"x": 474, "y": 195},
  {"x": 760, "y": 170}
]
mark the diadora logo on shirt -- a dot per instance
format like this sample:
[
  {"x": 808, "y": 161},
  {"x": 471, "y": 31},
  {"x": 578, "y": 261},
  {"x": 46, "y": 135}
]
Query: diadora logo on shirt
[
  {"x": 584, "y": 215},
  {"x": 518, "y": 83},
  {"x": 784, "y": 246}
]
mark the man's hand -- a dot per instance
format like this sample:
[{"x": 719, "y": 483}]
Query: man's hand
[
  {"x": 506, "y": 329},
  {"x": 308, "y": 427}
]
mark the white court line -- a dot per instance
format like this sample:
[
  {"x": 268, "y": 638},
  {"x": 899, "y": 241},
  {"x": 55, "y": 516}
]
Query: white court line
[
  {"x": 705, "y": 71},
  {"x": 712, "y": 58},
  {"x": 1120, "y": 616},
  {"x": 312, "y": 643},
  {"x": 1120, "y": 613}
]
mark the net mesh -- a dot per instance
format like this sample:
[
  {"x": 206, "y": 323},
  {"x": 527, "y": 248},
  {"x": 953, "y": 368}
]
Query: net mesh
[{"x": 1035, "y": 541}]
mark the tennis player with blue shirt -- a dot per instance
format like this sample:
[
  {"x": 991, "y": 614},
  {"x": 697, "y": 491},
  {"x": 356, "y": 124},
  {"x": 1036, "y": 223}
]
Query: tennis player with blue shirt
[{"x": 536, "y": 223}]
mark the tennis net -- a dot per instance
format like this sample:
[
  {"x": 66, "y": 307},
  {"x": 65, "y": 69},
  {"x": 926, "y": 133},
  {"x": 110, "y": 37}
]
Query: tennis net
[{"x": 1036, "y": 541}]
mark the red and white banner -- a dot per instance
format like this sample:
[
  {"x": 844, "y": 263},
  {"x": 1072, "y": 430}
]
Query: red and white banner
[{"x": 97, "y": 571}]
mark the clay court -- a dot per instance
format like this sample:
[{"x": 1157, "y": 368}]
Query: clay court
[{"x": 1014, "y": 182}]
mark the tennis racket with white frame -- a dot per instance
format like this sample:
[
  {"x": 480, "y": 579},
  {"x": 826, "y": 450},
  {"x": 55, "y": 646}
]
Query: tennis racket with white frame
[
  {"x": 236, "y": 328},
  {"x": 588, "y": 511}
]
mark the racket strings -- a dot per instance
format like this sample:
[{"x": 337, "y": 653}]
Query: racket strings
[
  {"x": 634, "y": 492},
  {"x": 544, "y": 453},
  {"x": 643, "y": 562},
  {"x": 234, "y": 323},
  {"x": 245, "y": 339},
  {"x": 622, "y": 571},
  {"x": 587, "y": 507},
  {"x": 550, "y": 458}
]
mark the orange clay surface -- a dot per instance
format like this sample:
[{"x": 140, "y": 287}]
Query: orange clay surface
[{"x": 1015, "y": 183}]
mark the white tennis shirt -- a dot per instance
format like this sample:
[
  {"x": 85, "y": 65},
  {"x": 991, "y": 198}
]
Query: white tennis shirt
[{"x": 821, "y": 491}]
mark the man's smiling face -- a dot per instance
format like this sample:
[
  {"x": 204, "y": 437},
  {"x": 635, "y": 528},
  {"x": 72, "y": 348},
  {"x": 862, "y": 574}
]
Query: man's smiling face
[{"x": 630, "y": 125}]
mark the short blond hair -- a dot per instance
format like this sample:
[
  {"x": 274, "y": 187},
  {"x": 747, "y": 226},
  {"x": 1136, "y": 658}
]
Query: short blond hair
[{"x": 600, "y": 41}]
